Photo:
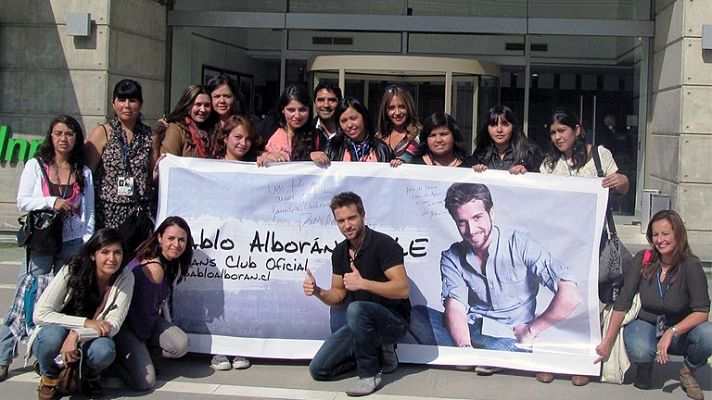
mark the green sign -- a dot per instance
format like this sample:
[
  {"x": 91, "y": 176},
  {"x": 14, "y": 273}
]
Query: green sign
[{"x": 15, "y": 149}]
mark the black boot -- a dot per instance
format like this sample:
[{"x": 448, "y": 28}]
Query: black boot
[{"x": 643, "y": 376}]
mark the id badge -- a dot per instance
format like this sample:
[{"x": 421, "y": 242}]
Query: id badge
[
  {"x": 125, "y": 186},
  {"x": 660, "y": 326}
]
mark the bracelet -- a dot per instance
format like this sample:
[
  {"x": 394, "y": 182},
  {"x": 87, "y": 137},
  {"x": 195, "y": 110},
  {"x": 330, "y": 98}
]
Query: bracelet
[{"x": 674, "y": 331}]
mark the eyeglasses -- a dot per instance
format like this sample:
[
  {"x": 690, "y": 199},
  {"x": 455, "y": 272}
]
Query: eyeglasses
[{"x": 59, "y": 134}]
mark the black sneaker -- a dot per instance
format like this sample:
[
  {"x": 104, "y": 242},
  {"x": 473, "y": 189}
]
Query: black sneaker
[
  {"x": 389, "y": 359},
  {"x": 92, "y": 387},
  {"x": 643, "y": 376}
]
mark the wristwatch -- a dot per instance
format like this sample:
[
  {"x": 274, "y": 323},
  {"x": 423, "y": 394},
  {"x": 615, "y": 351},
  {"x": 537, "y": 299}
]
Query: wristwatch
[{"x": 674, "y": 331}]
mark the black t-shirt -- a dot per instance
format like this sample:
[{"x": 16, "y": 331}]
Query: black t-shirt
[{"x": 378, "y": 253}]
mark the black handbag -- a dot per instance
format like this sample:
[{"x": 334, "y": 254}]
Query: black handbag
[
  {"x": 135, "y": 229},
  {"x": 41, "y": 230},
  {"x": 614, "y": 259}
]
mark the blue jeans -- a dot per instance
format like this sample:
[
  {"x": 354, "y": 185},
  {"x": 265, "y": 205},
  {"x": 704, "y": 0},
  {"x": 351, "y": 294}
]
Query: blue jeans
[
  {"x": 369, "y": 327},
  {"x": 40, "y": 264},
  {"x": 641, "y": 343},
  {"x": 428, "y": 327},
  {"x": 99, "y": 353}
]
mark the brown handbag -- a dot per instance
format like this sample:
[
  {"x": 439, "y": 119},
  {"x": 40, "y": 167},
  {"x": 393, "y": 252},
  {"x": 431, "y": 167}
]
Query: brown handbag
[{"x": 70, "y": 377}]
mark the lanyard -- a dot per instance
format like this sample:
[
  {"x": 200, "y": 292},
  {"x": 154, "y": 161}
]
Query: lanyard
[
  {"x": 662, "y": 289},
  {"x": 126, "y": 147},
  {"x": 361, "y": 151}
]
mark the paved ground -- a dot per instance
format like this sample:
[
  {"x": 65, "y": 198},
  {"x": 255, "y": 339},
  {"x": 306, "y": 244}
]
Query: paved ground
[{"x": 191, "y": 378}]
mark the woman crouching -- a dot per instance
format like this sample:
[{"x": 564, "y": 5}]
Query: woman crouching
[
  {"x": 161, "y": 261},
  {"x": 675, "y": 305},
  {"x": 83, "y": 307}
]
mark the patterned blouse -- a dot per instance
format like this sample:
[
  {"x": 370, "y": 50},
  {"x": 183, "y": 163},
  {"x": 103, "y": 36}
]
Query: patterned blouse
[{"x": 116, "y": 162}]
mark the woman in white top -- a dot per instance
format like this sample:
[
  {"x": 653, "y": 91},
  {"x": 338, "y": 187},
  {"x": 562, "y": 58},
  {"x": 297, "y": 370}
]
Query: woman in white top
[
  {"x": 81, "y": 310},
  {"x": 570, "y": 155},
  {"x": 66, "y": 186}
]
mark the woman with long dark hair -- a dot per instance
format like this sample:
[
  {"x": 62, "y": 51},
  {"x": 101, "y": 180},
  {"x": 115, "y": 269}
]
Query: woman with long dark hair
[
  {"x": 674, "y": 306},
  {"x": 356, "y": 139},
  {"x": 56, "y": 178},
  {"x": 294, "y": 140},
  {"x": 500, "y": 144},
  {"x": 82, "y": 308},
  {"x": 398, "y": 124},
  {"x": 162, "y": 261},
  {"x": 121, "y": 155},
  {"x": 188, "y": 131},
  {"x": 570, "y": 155},
  {"x": 442, "y": 142}
]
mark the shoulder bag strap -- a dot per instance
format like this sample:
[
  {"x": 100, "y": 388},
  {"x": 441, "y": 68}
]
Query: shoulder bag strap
[
  {"x": 609, "y": 214},
  {"x": 44, "y": 173},
  {"x": 106, "y": 132}
]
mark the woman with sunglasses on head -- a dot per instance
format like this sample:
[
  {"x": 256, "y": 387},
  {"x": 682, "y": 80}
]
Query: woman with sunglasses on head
[
  {"x": 398, "y": 124},
  {"x": 56, "y": 178},
  {"x": 121, "y": 154},
  {"x": 294, "y": 140},
  {"x": 674, "y": 307},
  {"x": 502, "y": 145},
  {"x": 355, "y": 139},
  {"x": 442, "y": 143},
  {"x": 79, "y": 313}
]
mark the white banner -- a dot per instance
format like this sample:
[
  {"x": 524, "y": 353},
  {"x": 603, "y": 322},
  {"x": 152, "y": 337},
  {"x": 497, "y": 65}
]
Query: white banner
[{"x": 257, "y": 229}]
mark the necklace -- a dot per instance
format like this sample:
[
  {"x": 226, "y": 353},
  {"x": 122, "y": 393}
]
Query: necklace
[{"x": 355, "y": 252}]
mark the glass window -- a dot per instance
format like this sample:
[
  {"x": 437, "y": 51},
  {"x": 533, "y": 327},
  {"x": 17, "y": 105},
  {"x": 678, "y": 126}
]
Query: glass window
[
  {"x": 594, "y": 9},
  {"x": 232, "y": 5},
  {"x": 603, "y": 88},
  {"x": 469, "y": 8}
]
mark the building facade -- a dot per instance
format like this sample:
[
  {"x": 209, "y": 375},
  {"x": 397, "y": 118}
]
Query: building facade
[{"x": 634, "y": 70}]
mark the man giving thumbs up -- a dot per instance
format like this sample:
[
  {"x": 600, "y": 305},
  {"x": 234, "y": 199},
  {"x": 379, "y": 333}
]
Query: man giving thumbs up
[{"x": 368, "y": 273}]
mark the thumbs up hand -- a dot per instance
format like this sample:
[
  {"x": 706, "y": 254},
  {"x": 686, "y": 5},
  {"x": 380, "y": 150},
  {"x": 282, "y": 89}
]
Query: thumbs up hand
[
  {"x": 309, "y": 286},
  {"x": 353, "y": 280}
]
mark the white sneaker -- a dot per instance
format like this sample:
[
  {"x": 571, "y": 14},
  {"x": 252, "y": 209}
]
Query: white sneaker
[
  {"x": 220, "y": 363},
  {"x": 364, "y": 386},
  {"x": 240, "y": 363}
]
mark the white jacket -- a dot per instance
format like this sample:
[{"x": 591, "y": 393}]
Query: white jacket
[
  {"x": 30, "y": 197},
  {"x": 56, "y": 295}
]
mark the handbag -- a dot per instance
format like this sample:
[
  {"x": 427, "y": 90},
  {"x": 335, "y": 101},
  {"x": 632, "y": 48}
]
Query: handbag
[
  {"x": 614, "y": 259},
  {"x": 70, "y": 377},
  {"x": 41, "y": 230},
  {"x": 135, "y": 229}
]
